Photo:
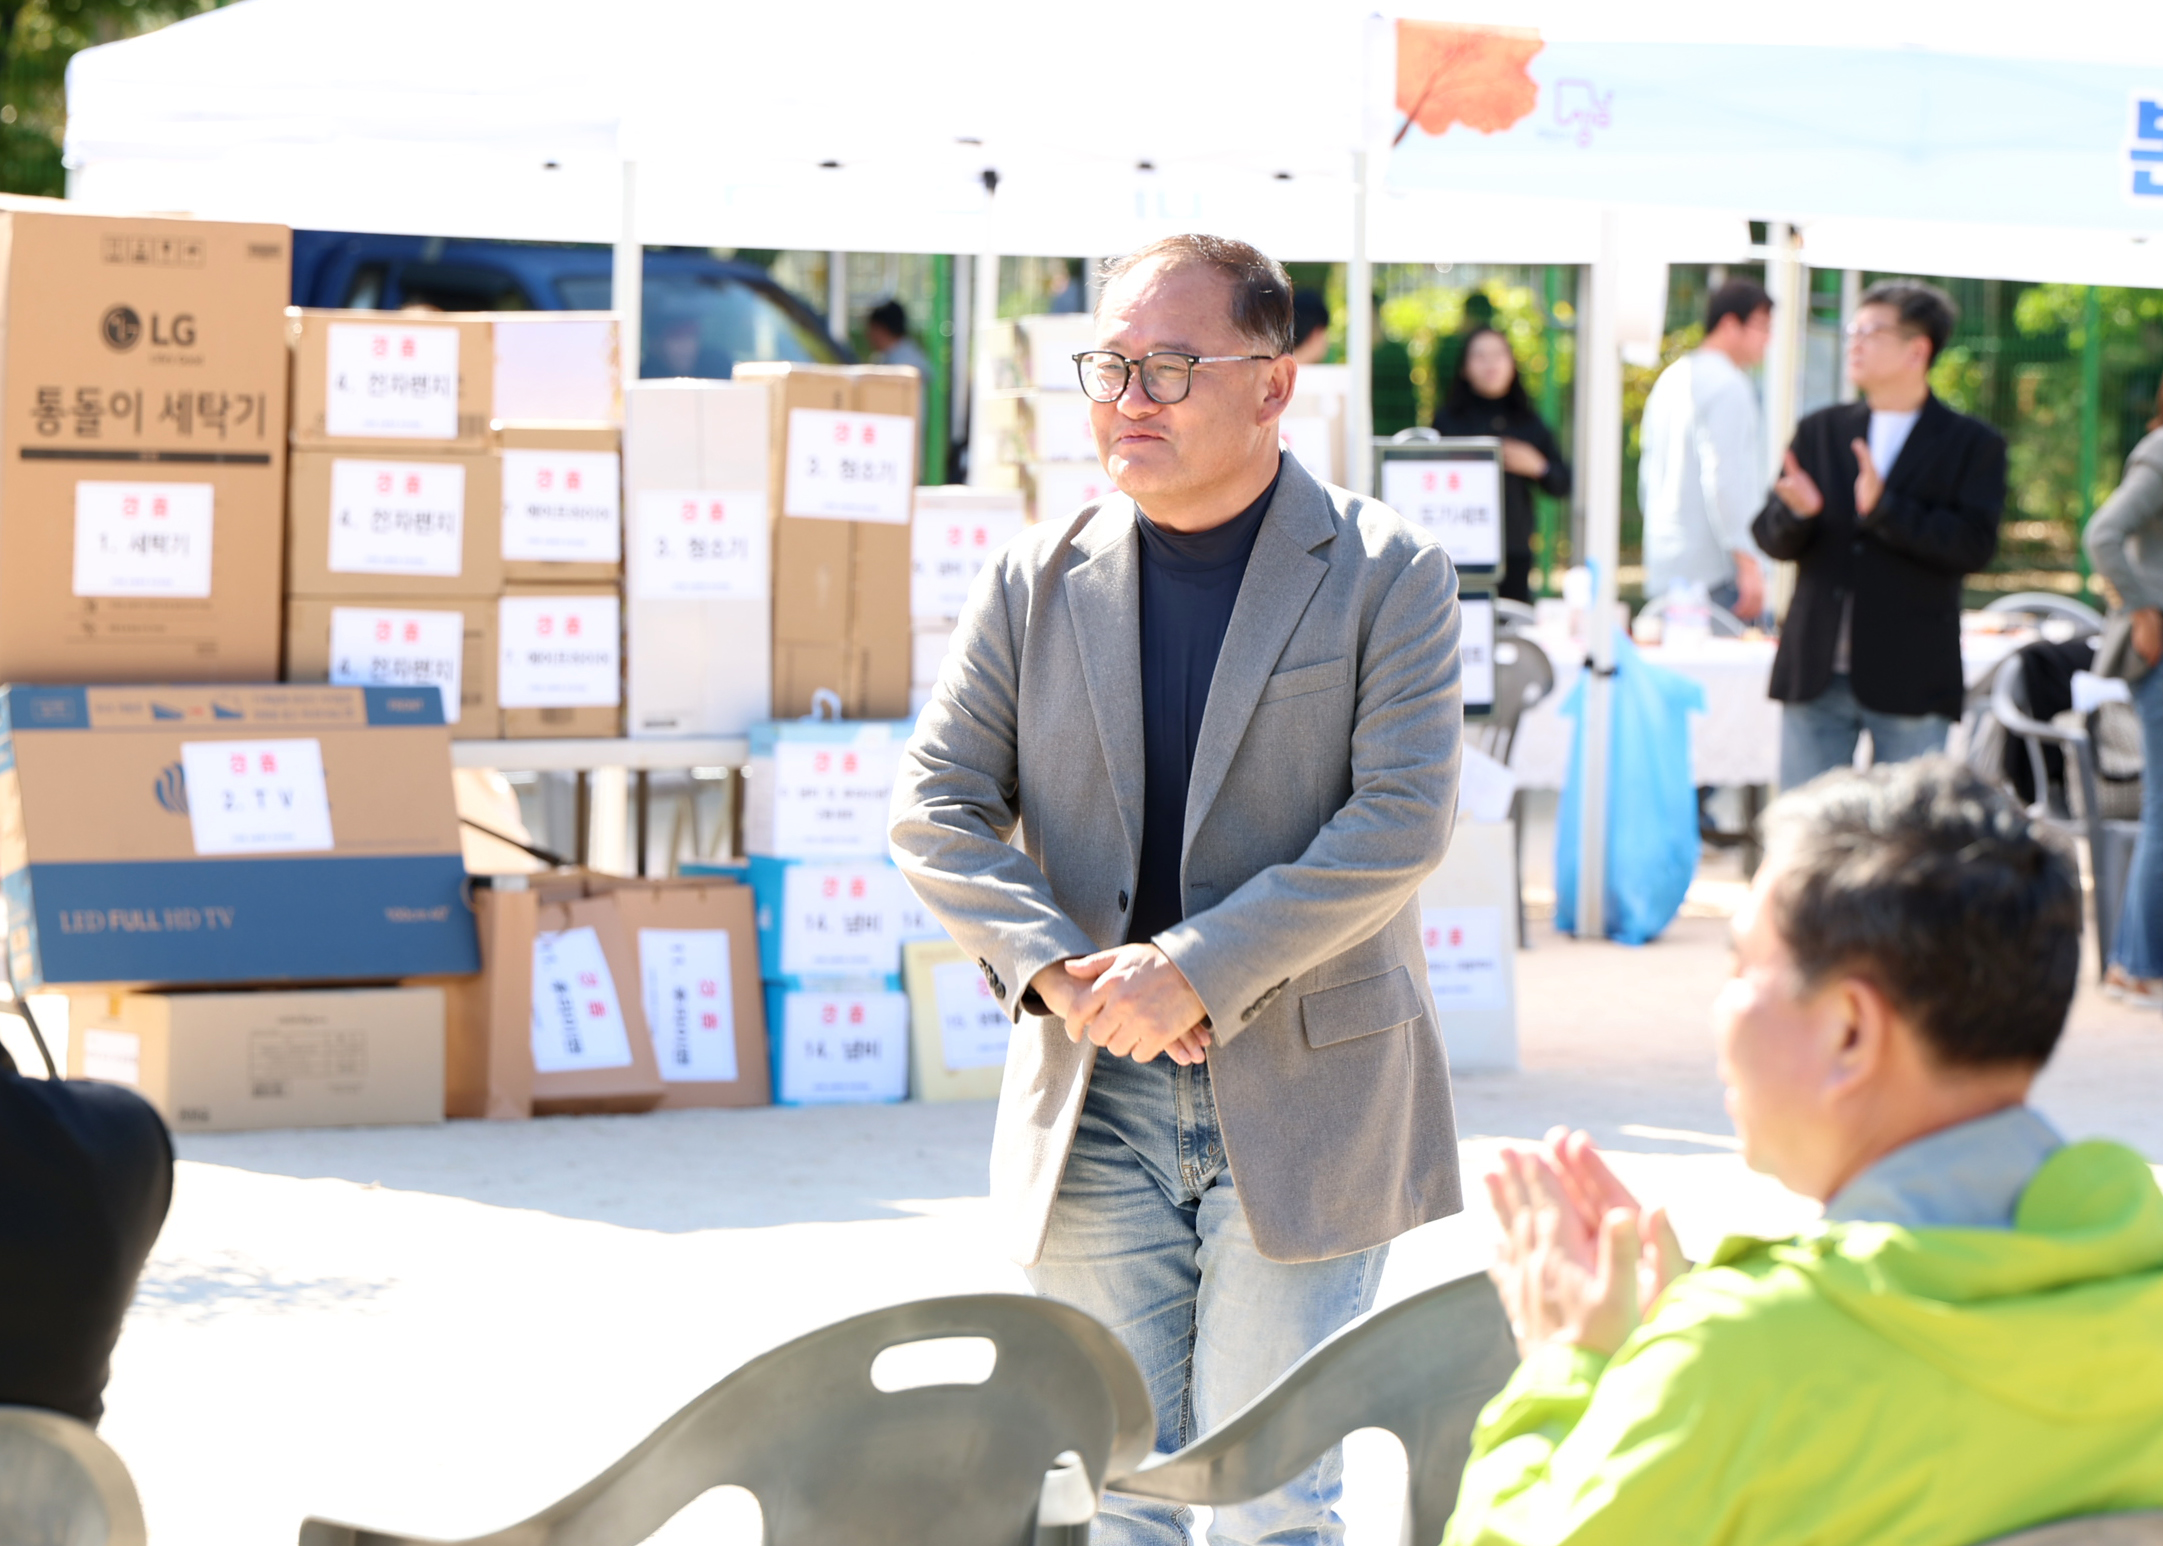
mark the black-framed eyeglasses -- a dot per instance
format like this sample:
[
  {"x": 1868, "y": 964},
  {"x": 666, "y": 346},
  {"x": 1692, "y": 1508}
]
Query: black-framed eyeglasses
[{"x": 1167, "y": 376}]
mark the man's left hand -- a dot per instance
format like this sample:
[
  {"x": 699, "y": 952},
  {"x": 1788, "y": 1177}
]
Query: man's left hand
[
  {"x": 1563, "y": 1280},
  {"x": 1869, "y": 482},
  {"x": 1145, "y": 1002}
]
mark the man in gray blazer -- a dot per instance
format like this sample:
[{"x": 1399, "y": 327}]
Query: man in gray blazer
[{"x": 1191, "y": 755}]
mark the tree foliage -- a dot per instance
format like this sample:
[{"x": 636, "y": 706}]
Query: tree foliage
[{"x": 39, "y": 38}]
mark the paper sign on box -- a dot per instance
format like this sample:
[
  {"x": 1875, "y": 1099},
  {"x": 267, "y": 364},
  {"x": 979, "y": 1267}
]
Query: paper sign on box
[
  {"x": 973, "y": 1028},
  {"x": 392, "y": 382},
  {"x": 850, "y": 466},
  {"x": 843, "y": 1046},
  {"x": 840, "y": 920},
  {"x": 257, "y": 797},
  {"x": 948, "y": 549},
  {"x": 830, "y": 800},
  {"x": 1464, "y": 957},
  {"x": 1459, "y": 501},
  {"x": 397, "y": 517},
  {"x": 563, "y": 506},
  {"x": 142, "y": 539},
  {"x": 701, "y": 544},
  {"x": 397, "y": 647},
  {"x": 577, "y": 1018},
  {"x": 690, "y": 1005},
  {"x": 1476, "y": 650},
  {"x": 559, "y": 651}
]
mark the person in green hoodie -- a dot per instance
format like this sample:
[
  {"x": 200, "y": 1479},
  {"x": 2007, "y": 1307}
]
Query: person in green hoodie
[{"x": 1972, "y": 1342}]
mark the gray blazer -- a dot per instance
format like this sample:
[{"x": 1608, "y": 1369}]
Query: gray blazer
[
  {"x": 2125, "y": 536},
  {"x": 1323, "y": 793}
]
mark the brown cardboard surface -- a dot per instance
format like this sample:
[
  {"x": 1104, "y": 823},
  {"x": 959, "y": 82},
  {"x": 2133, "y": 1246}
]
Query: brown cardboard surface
[
  {"x": 139, "y": 350},
  {"x": 225, "y": 1062},
  {"x": 308, "y": 529},
  {"x": 547, "y": 724},
  {"x": 488, "y": 1057},
  {"x": 635, "y": 1087},
  {"x": 308, "y": 332},
  {"x": 532, "y": 435},
  {"x": 929, "y": 1077},
  {"x": 307, "y": 650},
  {"x": 803, "y": 669},
  {"x": 698, "y": 902}
]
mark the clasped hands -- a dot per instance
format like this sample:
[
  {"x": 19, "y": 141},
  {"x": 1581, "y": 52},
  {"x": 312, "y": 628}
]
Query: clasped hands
[
  {"x": 1131, "y": 1001},
  {"x": 1801, "y": 494},
  {"x": 1580, "y": 1259}
]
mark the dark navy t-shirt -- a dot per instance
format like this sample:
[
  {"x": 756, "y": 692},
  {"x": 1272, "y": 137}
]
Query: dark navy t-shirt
[{"x": 1190, "y": 581}]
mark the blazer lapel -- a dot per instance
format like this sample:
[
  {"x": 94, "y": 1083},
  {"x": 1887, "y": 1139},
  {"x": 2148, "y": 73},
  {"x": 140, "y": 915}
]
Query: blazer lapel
[
  {"x": 1104, "y": 598},
  {"x": 1282, "y": 575}
]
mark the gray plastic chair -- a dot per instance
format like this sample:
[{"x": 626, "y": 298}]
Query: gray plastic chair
[
  {"x": 2048, "y": 606},
  {"x": 1422, "y": 1369},
  {"x": 62, "y": 1485},
  {"x": 832, "y": 1458},
  {"x": 2095, "y": 1530}
]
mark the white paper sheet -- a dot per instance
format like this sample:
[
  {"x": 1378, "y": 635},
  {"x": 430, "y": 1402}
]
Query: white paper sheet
[
  {"x": 948, "y": 548},
  {"x": 844, "y": 1047},
  {"x": 850, "y": 466},
  {"x": 1460, "y": 502},
  {"x": 700, "y": 544},
  {"x": 391, "y": 380},
  {"x": 559, "y": 651},
  {"x": 973, "y": 1029},
  {"x": 399, "y": 647},
  {"x": 1476, "y": 651},
  {"x": 840, "y": 920},
  {"x": 577, "y": 1018},
  {"x": 142, "y": 539},
  {"x": 689, "y": 1005},
  {"x": 397, "y": 518},
  {"x": 1464, "y": 957},
  {"x": 563, "y": 506},
  {"x": 830, "y": 801},
  {"x": 257, "y": 797}
]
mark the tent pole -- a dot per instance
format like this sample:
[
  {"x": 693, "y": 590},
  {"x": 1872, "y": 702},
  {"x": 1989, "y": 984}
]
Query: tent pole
[
  {"x": 1599, "y": 448},
  {"x": 1788, "y": 283},
  {"x": 628, "y": 280},
  {"x": 984, "y": 284},
  {"x": 1359, "y": 343},
  {"x": 837, "y": 296}
]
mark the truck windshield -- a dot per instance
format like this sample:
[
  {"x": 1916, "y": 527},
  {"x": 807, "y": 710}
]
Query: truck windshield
[{"x": 702, "y": 324}]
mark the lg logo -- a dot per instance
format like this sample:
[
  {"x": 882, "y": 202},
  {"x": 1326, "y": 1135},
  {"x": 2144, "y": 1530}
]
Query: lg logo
[{"x": 122, "y": 329}]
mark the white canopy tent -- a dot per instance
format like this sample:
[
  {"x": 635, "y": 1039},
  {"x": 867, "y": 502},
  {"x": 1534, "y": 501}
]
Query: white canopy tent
[{"x": 979, "y": 127}]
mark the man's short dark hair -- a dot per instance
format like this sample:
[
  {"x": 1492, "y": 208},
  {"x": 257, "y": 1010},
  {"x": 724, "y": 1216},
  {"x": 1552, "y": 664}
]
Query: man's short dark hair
[
  {"x": 890, "y": 316},
  {"x": 1310, "y": 315},
  {"x": 1741, "y": 299},
  {"x": 1261, "y": 290},
  {"x": 1925, "y": 881},
  {"x": 1924, "y": 310}
]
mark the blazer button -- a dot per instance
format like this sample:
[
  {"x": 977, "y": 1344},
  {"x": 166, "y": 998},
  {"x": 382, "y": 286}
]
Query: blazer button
[{"x": 1122, "y": 901}]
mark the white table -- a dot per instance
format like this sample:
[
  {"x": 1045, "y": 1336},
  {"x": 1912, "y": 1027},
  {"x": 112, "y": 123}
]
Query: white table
[{"x": 615, "y": 760}]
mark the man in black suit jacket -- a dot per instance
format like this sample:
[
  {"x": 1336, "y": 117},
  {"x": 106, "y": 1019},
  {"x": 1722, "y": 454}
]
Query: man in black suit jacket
[{"x": 1884, "y": 506}]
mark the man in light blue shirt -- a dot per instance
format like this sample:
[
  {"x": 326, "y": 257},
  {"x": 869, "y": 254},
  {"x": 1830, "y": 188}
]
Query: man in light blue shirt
[{"x": 1701, "y": 479}]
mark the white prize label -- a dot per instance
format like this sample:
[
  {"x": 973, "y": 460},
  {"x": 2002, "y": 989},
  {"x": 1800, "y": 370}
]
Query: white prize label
[
  {"x": 1460, "y": 502},
  {"x": 397, "y": 518},
  {"x": 563, "y": 506},
  {"x": 844, "y": 1046},
  {"x": 838, "y": 920},
  {"x": 689, "y": 1005},
  {"x": 577, "y": 1018},
  {"x": 113, "y": 1057},
  {"x": 392, "y": 381},
  {"x": 257, "y": 797},
  {"x": 1476, "y": 651},
  {"x": 701, "y": 544},
  {"x": 1309, "y": 440},
  {"x": 386, "y": 647},
  {"x": 1464, "y": 956},
  {"x": 850, "y": 466},
  {"x": 947, "y": 549},
  {"x": 142, "y": 539},
  {"x": 830, "y": 799},
  {"x": 1064, "y": 487},
  {"x": 559, "y": 652},
  {"x": 973, "y": 1029}
]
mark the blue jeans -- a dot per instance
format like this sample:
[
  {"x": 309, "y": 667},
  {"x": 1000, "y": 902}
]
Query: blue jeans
[
  {"x": 1819, "y": 735},
  {"x": 1148, "y": 1236},
  {"x": 2139, "y": 947}
]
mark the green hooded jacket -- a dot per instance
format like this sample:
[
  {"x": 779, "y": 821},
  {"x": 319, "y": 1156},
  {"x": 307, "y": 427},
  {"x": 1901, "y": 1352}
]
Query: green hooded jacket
[{"x": 1866, "y": 1386}]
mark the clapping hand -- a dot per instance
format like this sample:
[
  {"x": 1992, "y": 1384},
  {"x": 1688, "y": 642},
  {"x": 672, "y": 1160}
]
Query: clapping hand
[
  {"x": 1869, "y": 482},
  {"x": 1798, "y": 490}
]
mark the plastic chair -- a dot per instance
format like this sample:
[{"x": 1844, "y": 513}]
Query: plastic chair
[
  {"x": 1523, "y": 676},
  {"x": 1422, "y": 1369},
  {"x": 2109, "y": 842},
  {"x": 62, "y": 1485},
  {"x": 1515, "y": 615},
  {"x": 2095, "y": 1530},
  {"x": 2043, "y": 605},
  {"x": 830, "y": 1457},
  {"x": 1720, "y": 622}
]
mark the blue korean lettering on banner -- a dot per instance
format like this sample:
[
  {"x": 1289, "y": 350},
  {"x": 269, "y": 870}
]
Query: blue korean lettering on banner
[{"x": 2146, "y": 151}]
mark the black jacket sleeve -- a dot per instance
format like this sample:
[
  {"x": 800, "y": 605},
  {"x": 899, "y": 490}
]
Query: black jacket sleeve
[
  {"x": 1960, "y": 537},
  {"x": 1556, "y": 481}
]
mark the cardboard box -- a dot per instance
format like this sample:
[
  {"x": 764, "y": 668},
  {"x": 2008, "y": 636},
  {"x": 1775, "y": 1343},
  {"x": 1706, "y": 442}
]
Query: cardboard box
[
  {"x": 956, "y": 531},
  {"x": 559, "y": 667},
  {"x": 838, "y": 918},
  {"x": 1059, "y": 490},
  {"x": 394, "y": 524},
  {"x": 217, "y": 835},
  {"x": 554, "y": 1023},
  {"x": 562, "y": 517},
  {"x": 839, "y": 1041},
  {"x": 928, "y": 646},
  {"x": 958, "y": 1033},
  {"x": 697, "y": 948},
  {"x": 821, "y": 789},
  {"x": 1468, "y": 924},
  {"x": 843, "y": 468},
  {"x": 698, "y": 603},
  {"x": 363, "y": 641},
  {"x": 377, "y": 378},
  {"x": 565, "y": 366},
  {"x": 143, "y": 454},
  {"x": 225, "y": 1062},
  {"x": 1048, "y": 345},
  {"x": 1058, "y": 423}
]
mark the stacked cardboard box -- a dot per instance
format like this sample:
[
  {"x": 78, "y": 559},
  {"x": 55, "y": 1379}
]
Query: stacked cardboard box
[
  {"x": 142, "y": 453},
  {"x": 957, "y": 532},
  {"x": 843, "y": 463},
  {"x": 833, "y": 912},
  {"x": 435, "y": 541}
]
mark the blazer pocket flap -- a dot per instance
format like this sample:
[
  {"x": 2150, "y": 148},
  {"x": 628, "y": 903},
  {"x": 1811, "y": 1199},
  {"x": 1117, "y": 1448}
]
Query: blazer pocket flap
[
  {"x": 1306, "y": 679},
  {"x": 1360, "y": 1008}
]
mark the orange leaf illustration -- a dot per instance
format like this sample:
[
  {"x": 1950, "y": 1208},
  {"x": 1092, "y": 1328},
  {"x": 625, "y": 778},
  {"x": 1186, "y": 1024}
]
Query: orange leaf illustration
[{"x": 1449, "y": 73}]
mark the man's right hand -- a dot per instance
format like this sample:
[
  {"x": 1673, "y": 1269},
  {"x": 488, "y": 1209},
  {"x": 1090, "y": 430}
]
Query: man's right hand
[
  {"x": 1074, "y": 999},
  {"x": 1798, "y": 490},
  {"x": 2148, "y": 634},
  {"x": 1749, "y": 587},
  {"x": 1597, "y": 1191}
]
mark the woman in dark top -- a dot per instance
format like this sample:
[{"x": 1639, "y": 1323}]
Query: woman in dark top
[{"x": 1486, "y": 397}]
